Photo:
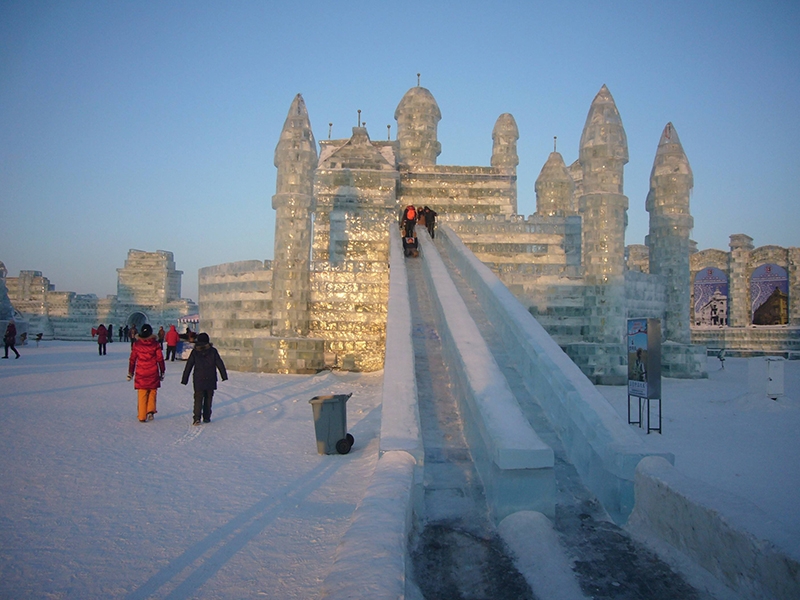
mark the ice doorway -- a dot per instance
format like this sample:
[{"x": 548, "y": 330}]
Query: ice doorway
[{"x": 137, "y": 319}]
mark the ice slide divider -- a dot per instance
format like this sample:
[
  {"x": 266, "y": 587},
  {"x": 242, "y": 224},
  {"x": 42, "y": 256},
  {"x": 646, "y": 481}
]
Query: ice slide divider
[
  {"x": 515, "y": 465},
  {"x": 600, "y": 445},
  {"x": 366, "y": 564}
]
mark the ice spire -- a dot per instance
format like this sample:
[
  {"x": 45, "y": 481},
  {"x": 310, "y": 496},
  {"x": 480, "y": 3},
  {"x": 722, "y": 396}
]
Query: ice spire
[
  {"x": 603, "y": 154},
  {"x": 296, "y": 160},
  {"x": 671, "y": 223}
]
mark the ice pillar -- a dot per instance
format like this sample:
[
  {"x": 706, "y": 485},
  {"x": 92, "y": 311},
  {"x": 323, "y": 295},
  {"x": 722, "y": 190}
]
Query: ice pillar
[
  {"x": 296, "y": 160},
  {"x": 671, "y": 223}
]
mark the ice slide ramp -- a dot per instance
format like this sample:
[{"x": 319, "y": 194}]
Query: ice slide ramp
[{"x": 514, "y": 464}]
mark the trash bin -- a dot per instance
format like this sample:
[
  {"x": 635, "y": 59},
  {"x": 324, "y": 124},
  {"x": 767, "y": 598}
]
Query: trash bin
[{"x": 330, "y": 423}]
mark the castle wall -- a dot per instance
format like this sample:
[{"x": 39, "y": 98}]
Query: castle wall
[
  {"x": 645, "y": 295},
  {"x": 739, "y": 265},
  {"x": 149, "y": 283},
  {"x": 347, "y": 315},
  {"x": 348, "y": 307},
  {"x": 453, "y": 190},
  {"x": 741, "y": 336},
  {"x": 148, "y": 278},
  {"x": 235, "y": 301}
]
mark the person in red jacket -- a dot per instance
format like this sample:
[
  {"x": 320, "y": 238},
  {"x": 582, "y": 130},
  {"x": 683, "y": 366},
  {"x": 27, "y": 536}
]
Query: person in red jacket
[
  {"x": 147, "y": 363},
  {"x": 102, "y": 339},
  {"x": 172, "y": 338}
]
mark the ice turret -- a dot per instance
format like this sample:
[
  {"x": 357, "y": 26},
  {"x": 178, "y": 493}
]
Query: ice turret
[
  {"x": 603, "y": 154},
  {"x": 296, "y": 153},
  {"x": 667, "y": 202},
  {"x": 417, "y": 118},
  {"x": 296, "y": 159},
  {"x": 504, "y": 142},
  {"x": 554, "y": 188}
]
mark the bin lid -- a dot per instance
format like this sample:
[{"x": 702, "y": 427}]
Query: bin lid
[{"x": 330, "y": 398}]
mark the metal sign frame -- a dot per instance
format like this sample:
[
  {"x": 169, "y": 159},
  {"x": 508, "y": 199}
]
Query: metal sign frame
[{"x": 644, "y": 367}]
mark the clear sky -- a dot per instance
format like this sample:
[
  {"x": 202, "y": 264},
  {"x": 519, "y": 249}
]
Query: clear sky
[{"x": 152, "y": 125}]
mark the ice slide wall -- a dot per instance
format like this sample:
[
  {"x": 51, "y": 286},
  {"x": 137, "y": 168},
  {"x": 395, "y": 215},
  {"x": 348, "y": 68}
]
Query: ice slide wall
[
  {"x": 603, "y": 449},
  {"x": 370, "y": 561},
  {"x": 724, "y": 534}
]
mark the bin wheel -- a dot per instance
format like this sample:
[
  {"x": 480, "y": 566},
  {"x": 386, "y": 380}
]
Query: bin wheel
[
  {"x": 350, "y": 439},
  {"x": 343, "y": 446}
]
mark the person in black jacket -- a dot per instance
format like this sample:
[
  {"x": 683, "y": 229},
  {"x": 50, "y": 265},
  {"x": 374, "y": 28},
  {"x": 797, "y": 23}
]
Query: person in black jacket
[{"x": 205, "y": 360}]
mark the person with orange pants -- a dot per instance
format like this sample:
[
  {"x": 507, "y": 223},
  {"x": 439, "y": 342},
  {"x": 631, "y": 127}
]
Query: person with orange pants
[{"x": 147, "y": 364}]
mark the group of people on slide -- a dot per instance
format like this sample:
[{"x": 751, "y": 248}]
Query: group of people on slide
[{"x": 409, "y": 218}]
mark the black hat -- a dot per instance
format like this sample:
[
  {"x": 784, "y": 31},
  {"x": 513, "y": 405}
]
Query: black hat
[
  {"x": 202, "y": 339},
  {"x": 146, "y": 331}
]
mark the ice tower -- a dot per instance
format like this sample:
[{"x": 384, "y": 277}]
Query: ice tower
[
  {"x": 554, "y": 188},
  {"x": 603, "y": 155},
  {"x": 417, "y": 118},
  {"x": 670, "y": 225},
  {"x": 296, "y": 159}
]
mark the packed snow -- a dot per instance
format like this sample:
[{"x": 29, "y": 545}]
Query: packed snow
[{"x": 96, "y": 504}]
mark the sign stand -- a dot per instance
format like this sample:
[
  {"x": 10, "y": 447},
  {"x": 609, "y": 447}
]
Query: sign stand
[
  {"x": 644, "y": 368},
  {"x": 639, "y": 422}
]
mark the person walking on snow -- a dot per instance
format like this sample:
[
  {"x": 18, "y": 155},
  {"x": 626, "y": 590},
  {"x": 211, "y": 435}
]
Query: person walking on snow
[
  {"x": 172, "y": 338},
  {"x": 10, "y": 338},
  {"x": 147, "y": 364},
  {"x": 205, "y": 360}
]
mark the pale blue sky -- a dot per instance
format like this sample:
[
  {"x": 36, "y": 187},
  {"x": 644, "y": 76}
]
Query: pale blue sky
[{"x": 152, "y": 125}]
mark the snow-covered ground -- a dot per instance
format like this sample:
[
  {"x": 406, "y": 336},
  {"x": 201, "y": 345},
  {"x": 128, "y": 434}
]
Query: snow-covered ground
[
  {"x": 723, "y": 434},
  {"x": 94, "y": 504}
]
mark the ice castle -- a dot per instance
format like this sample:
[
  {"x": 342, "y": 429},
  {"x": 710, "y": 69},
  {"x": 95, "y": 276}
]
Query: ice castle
[{"x": 322, "y": 301}]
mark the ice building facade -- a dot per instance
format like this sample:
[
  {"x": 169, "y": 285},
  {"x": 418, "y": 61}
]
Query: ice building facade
[
  {"x": 322, "y": 301},
  {"x": 148, "y": 291}
]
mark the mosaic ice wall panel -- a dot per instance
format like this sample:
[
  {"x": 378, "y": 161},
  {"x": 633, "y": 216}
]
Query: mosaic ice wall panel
[
  {"x": 711, "y": 297},
  {"x": 769, "y": 292}
]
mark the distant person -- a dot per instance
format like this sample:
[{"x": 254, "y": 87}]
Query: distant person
[
  {"x": 121, "y": 333},
  {"x": 147, "y": 365},
  {"x": 127, "y": 331},
  {"x": 430, "y": 219},
  {"x": 160, "y": 336},
  {"x": 132, "y": 335},
  {"x": 407, "y": 220},
  {"x": 172, "y": 337},
  {"x": 721, "y": 357},
  {"x": 206, "y": 361},
  {"x": 10, "y": 338},
  {"x": 102, "y": 339},
  {"x": 110, "y": 333}
]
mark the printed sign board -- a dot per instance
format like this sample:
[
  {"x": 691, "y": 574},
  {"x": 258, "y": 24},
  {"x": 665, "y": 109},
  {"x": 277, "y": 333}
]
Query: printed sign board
[{"x": 644, "y": 358}]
